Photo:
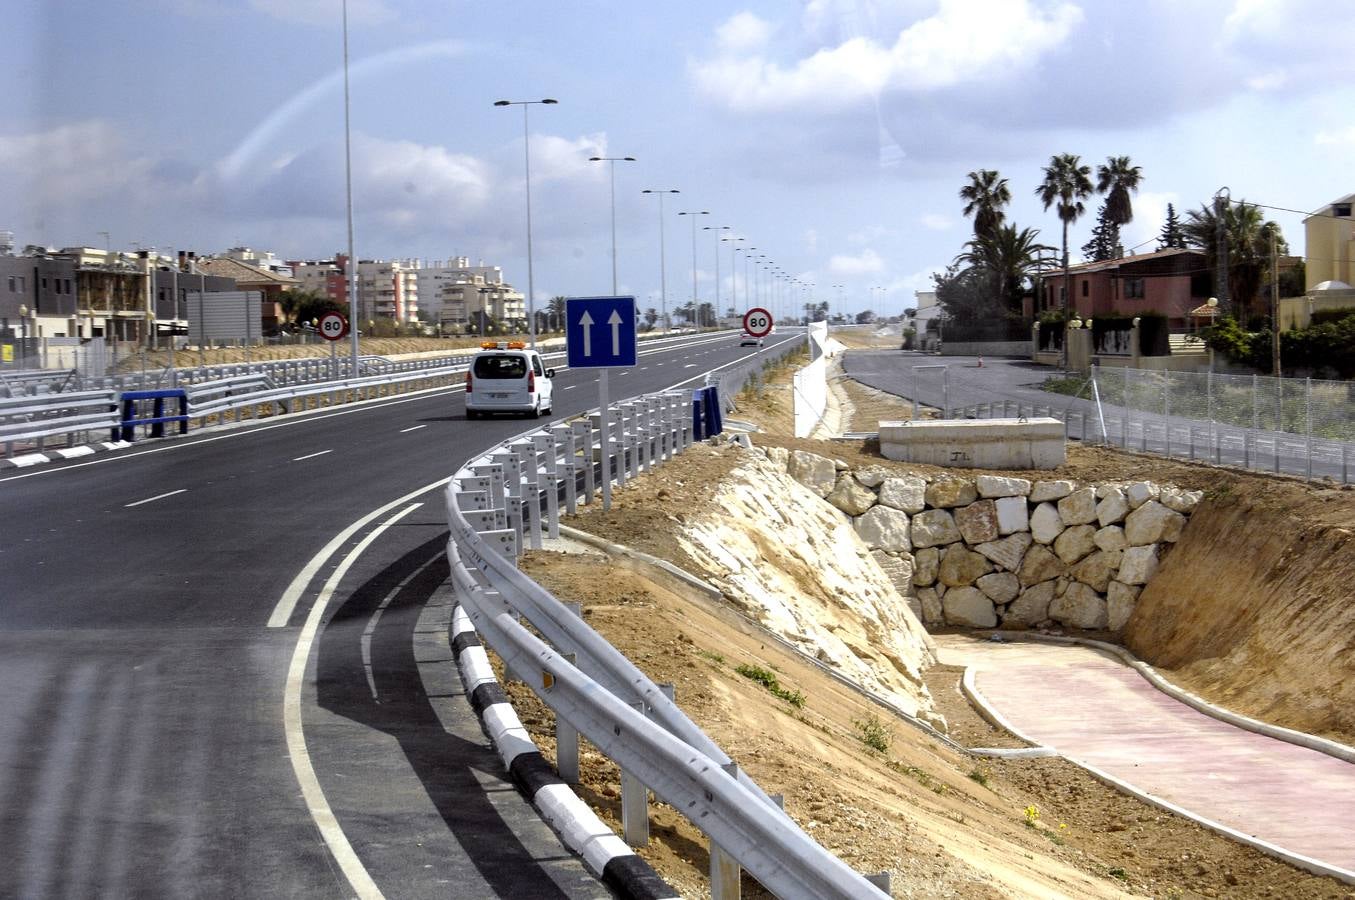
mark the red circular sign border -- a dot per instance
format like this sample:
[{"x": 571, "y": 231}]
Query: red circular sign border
[{"x": 770, "y": 322}]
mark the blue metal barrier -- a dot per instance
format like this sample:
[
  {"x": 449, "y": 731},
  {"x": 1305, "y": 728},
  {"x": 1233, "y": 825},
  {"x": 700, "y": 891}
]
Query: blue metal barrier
[
  {"x": 714, "y": 417},
  {"x": 157, "y": 419},
  {"x": 698, "y": 415}
]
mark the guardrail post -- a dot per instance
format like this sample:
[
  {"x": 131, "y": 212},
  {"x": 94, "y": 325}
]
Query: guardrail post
[
  {"x": 513, "y": 502},
  {"x": 569, "y": 463},
  {"x": 643, "y": 434},
  {"x": 634, "y": 805},
  {"x": 726, "y": 874},
  {"x": 531, "y": 491},
  {"x": 543, "y": 447},
  {"x": 583, "y": 439},
  {"x": 566, "y": 735},
  {"x": 631, "y": 425}
]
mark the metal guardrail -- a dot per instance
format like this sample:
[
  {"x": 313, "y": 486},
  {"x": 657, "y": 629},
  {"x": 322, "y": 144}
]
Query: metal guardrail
[
  {"x": 511, "y": 494},
  {"x": 733, "y": 380},
  {"x": 31, "y": 420}
]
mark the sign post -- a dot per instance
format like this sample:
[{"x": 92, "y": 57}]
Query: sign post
[
  {"x": 600, "y": 334},
  {"x": 333, "y": 327}
]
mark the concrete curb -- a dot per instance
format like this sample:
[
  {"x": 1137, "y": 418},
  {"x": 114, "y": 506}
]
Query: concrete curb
[
  {"x": 1309, "y": 864},
  {"x": 28, "y": 460},
  {"x": 616, "y": 864}
]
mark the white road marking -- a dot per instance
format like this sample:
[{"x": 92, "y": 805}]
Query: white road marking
[
  {"x": 156, "y": 497},
  {"x": 413, "y": 428},
  {"x": 310, "y": 455},
  {"x": 370, "y": 628},
  {"x": 690, "y": 366},
  {"x": 325, "y": 820}
]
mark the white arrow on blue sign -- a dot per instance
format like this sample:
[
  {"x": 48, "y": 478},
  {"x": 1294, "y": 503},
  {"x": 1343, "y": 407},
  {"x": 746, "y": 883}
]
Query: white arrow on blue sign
[{"x": 600, "y": 332}]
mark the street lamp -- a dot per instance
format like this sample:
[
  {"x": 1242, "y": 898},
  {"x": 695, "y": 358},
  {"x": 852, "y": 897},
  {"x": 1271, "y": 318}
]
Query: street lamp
[
  {"x": 527, "y": 160},
  {"x": 612, "y": 161},
  {"x": 734, "y": 274},
  {"x": 749, "y": 294},
  {"x": 694, "y": 214},
  {"x": 23, "y": 336},
  {"x": 717, "y": 229},
  {"x": 663, "y": 270}
]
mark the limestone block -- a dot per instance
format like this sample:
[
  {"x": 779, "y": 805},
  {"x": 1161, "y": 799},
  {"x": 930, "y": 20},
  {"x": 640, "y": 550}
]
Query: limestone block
[
  {"x": 882, "y": 528},
  {"x": 968, "y": 607},
  {"x": 1013, "y": 515},
  {"x": 961, "y": 566},
  {"x": 1120, "y": 602},
  {"x": 1140, "y": 492},
  {"x": 1112, "y": 508},
  {"x": 1007, "y": 552},
  {"x": 1139, "y": 565},
  {"x": 1079, "y": 507},
  {"x": 1110, "y": 538},
  {"x": 1075, "y": 543},
  {"x": 1000, "y": 587},
  {"x": 933, "y": 528},
  {"x": 840, "y": 465},
  {"x": 948, "y": 493},
  {"x": 1032, "y": 606},
  {"x": 899, "y": 568},
  {"x": 813, "y": 471},
  {"x": 932, "y": 612},
  {"x": 1171, "y": 533},
  {"x": 993, "y": 486},
  {"x": 1045, "y": 491},
  {"x": 1098, "y": 569},
  {"x": 1181, "y": 501},
  {"x": 908, "y": 493},
  {"x": 780, "y": 456},
  {"x": 851, "y": 496},
  {"x": 925, "y": 565},
  {"x": 871, "y": 476},
  {"x": 1045, "y": 524},
  {"x": 977, "y": 522},
  {"x": 1105, "y": 490},
  {"x": 1080, "y": 607},
  {"x": 1039, "y": 565},
  {"x": 1148, "y": 523}
]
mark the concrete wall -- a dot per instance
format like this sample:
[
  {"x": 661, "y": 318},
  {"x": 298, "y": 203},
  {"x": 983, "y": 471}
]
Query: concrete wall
[
  {"x": 976, "y": 443},
  {"x": 1018, "y": 349}
]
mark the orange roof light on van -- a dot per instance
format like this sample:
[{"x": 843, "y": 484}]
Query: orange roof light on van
[{"x": 503, "y": 345}]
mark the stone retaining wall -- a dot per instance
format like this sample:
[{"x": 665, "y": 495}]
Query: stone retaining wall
[{"x": 991, "y": 551}]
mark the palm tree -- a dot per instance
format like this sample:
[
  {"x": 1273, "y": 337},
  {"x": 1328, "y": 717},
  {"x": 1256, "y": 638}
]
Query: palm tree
[
  {"x": 1066, "y": 183},
  {"x": 1008, "y": 258},
  {"x": 1248, "y": 237},
  {"x": 984, "y": 197},
  {"x": 556, "y": 311},
  {"x": 1117, "y": 179}
]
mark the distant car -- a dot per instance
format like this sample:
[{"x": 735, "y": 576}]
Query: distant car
[
  {"x": 507, "y": 377},
  {"x": 749, "y": 340}
]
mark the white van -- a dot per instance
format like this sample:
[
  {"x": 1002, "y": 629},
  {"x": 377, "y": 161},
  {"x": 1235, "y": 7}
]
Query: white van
[{"x": 507, "y": 377}]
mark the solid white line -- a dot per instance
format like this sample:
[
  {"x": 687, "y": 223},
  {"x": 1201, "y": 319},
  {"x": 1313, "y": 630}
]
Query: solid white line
[
  {"x": 414, "y": 428},
  {"x": 310, "y": 456},
  {"x": 287, "y": 603},
  {"x": 156, "y": 497},
  {"x": 325, "y": 820}
]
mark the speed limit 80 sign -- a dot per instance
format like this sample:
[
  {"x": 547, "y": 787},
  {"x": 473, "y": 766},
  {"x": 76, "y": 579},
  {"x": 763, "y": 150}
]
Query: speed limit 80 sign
[
  {"x": 757, "y": 322},
  {"x": 333, "y": 326}
]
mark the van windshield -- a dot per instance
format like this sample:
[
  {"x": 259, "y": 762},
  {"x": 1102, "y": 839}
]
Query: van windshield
[{"x": 504, "y": 365}]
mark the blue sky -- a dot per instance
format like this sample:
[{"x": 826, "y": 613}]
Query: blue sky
[{"x": 832, "y": 135}]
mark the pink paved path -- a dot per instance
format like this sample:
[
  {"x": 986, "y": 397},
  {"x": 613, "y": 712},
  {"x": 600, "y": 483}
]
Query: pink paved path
[{"x": 1095, "y": 710}]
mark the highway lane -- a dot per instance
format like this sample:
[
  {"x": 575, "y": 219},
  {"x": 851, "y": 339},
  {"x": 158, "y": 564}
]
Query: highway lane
[{"x": 142, "y": 748}]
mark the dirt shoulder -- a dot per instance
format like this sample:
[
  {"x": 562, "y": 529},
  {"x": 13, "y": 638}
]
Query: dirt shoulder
[{"x": 873, "y": 788}]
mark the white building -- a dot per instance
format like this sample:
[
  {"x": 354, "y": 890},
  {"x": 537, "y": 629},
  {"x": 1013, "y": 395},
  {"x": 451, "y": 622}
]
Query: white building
[
  {"x": 455, "y": 293},
  {"x": 386, "y": 289},
  {"x": 260, "y": 259}
]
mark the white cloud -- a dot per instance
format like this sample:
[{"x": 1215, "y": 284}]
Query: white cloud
[
  {"x": 1150, "y": 212},
  {"x": 555, "y": 157},
  {"x": 942, "y": 50},
  {"x": 1342, "y": 138},
  {"x": 403, "y": 181},
  {"x": 935, "y": 222},
  {"x": 867, "y": 262},
  {"x": 74, "y": 162},
  {"x": 1269, "y": 81},
  {"x": 742, "y": 33}
]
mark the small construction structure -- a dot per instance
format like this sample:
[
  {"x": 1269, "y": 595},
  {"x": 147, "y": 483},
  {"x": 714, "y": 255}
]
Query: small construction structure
[{"x": 976, "y": 443}]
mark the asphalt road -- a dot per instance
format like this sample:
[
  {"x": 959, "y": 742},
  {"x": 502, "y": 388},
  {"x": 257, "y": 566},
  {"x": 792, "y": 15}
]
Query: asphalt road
[{"x": 156, "y": 734}]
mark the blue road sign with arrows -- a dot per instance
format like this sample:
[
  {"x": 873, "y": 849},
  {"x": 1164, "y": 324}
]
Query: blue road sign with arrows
[{"x": 600, "y": 332}]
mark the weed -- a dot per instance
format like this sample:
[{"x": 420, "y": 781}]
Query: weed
[
  {"x": 768, "y": 680},
  {"x": 717, "y": 658},
  {"x": 873, "y": 733},
  {"x": 979, "y": 775},
  {"x": 1032, "y": 815},
  {"x": 1117, "y": 872}
]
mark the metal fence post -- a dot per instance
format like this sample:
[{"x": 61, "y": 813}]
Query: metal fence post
[
  {"x": 583, "y": 441},
  {"x": 1308, "y": 423}
]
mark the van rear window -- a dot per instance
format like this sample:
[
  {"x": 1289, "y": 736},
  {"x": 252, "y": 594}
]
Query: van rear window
[{"x": 505, "y": 365}]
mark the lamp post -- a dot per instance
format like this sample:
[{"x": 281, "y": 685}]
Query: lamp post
[
  {"x": 612, "y": 161},
  {"x": 749, "y": 289},
  {"x": 734, "y": 274},
  {"x": 663, "y": 265},
  {"x": 695, "y": 302},
  {"x": 527, "y": 165},
  {"x": 352, "y": 262},
  {"x": 1222, "y": 202},
  {"x": 717, "y": 229},
  {"x": 23, "y": 336}
]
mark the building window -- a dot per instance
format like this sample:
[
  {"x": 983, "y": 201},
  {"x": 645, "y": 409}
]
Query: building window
[
  {"x": 1086, "y": 286},
  {"x": 1133, "y": 288},
  {"x": 1341, "y": 209},
  {"x": 68, "y": 287},
  {"x": 12, "y": 282}
]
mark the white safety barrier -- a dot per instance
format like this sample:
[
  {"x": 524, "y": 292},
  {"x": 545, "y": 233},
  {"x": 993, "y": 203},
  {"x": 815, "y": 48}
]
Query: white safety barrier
[{"x": 508, "y": 498}]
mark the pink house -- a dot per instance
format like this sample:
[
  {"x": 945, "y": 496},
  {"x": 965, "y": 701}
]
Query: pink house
[{"x": 1170, "y": 282}]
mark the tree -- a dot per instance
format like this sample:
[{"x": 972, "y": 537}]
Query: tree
[
  {"x": 651, "y": 316},
  {"x": 1172, "y": 237},
  {"x": 967, "y": 293},
  {"x": 1248, "y": 237},
  {"x": 556, "y": 311},
  {"x": 1066, "y": 184},
  {"x": 865, "y": 317},
  {"x": 311, "y": 305},
  {"x": 1004, "y": 261},
  {"x": 984, "y": 197},
  {"x": 705, "y": 315},
  {"x": 1117, "y": 179},
  {"x": 1105, "y": 242}
]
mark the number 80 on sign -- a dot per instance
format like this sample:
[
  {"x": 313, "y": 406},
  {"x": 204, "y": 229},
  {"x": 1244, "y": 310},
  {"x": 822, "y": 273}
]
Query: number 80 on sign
[
  {"x": 757, "y": 322},
  {"x": 333, "y": 326}
]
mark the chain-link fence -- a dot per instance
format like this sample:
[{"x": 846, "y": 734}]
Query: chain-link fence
[{"x": 1299, "y": 426}]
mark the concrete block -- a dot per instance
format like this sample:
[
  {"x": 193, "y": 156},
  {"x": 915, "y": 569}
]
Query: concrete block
[{"x": 976, "y": 443}]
